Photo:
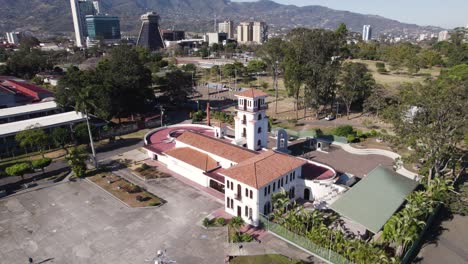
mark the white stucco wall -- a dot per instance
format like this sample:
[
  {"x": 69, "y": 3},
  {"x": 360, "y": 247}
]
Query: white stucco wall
[
  {"x": 251, "y": 203},
  {"x": 188, "y": 171}
]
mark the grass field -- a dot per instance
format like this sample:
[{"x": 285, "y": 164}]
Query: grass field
[
  {"x": 264, "y": 259},
  {"x": 392, "y": 80}
]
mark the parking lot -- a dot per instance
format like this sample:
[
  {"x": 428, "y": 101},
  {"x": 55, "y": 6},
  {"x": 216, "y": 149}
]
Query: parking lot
[{"x": 75, "y": 222}]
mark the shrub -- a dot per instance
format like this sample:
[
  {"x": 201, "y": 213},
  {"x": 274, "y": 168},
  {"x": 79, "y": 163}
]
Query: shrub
[
  {"x": 198, "y": 116},
  {"x": 343, "y": 131},
  {"x": 221, "y": 221},
  {"x": 352, "y": 138},
  {"x": 144, "y": 166},
  {"x": 139, "y": 198},
  {"x": 206, "y": 222},
  {"x": 292, "y": 121},
  {"x": 373, "y": 133},
  {"x": 383, "y": 130},
  {"x": 41, "y": 163},
  {"x": 246, "y": 237},
  {"x": 153, "y": 204},
  {"x": 131, "y": 188}
]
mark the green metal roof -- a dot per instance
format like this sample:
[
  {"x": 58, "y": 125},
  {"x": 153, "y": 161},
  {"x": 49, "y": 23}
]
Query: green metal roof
[{"x": 374, "y": 199}]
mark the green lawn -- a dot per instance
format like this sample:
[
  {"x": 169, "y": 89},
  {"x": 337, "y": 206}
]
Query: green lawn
[{"x": 264, "y": 259}]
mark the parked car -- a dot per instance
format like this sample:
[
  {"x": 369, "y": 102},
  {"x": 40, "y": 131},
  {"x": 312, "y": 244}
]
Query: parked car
[{"x": 330, "y": 117}]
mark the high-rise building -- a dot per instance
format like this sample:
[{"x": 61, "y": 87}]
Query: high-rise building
[
  {"x": 102, "y": 26},
  {"x": 97, "y": 7},
  {"x": 444, "y": 35},
  {"x": 244, "y": 32},
  {"x": 259, "y": 32},
  {"x": 227, "y": 27},
  {"x": 14, "y": 37},
  {"x": 81, "y": 9},
  {"x": 150, "y": 35},
  {"x": 366, "y": 33}
]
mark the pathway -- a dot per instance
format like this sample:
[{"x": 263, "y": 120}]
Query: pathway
[{"x": 401, "y": 170}]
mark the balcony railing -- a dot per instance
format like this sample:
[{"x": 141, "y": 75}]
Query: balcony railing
[{"x": 252, "y": 109}]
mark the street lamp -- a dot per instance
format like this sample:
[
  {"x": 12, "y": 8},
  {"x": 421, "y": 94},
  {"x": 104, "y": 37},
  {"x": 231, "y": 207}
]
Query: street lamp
[{"x": 162, "y": 114}]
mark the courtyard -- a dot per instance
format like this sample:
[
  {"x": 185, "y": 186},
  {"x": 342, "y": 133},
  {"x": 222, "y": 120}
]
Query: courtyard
[{"x": 75, "y": 222}]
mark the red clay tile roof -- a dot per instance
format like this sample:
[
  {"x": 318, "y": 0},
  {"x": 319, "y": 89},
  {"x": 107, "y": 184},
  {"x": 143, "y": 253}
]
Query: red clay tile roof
[
  {"x": 252, "y": 93},
  {"x": 195, "y": 158},
  {"x": 263, "y": 168},
  {"x": 215, "y": 146}
]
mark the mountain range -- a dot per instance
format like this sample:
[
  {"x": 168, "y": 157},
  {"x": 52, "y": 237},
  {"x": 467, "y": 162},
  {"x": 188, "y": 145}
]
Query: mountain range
[{"x": 54, "y": 16}]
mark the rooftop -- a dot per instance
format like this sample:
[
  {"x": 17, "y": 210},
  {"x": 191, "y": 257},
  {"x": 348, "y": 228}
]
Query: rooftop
[
  {"x": 373, "y": 200},
  {"x": 263, "y": 168},
  {"x": 215, "y": 146},
  {"x": 252, "y": 93},
  {"x": 193, "y": 157},
  {"x": 46, "y": 121},
  {"x": 26, "y": 109}
]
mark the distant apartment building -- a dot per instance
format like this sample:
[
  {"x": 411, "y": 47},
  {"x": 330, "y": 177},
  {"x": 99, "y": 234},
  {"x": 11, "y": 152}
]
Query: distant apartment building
[
  {"x": 444, "y": 35},
  {"x": 103, "y": 27},
  {"x": 259, "y": 32},
  {"x": 244, "y": 32},
  {"x": 252, "y": 32},
  {"x": 366, "y": 33},
  {"x": 150, "y": 34},
  {"x": 215, "y": 38},
  {"x": 227, "y": 27},
  {"x": 80, "y": 9},
  {"x": 14, "y": 37}
]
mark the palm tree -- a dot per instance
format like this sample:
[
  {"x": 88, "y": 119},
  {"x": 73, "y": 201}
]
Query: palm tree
[
  {"x": 84, "y": 103},
  {"x": 279, "y": 200},
  {"x": 236, "y": 223}
]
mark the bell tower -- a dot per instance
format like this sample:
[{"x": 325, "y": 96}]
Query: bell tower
[{"x": 251, "y": 122}]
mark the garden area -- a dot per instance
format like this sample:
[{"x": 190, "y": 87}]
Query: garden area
[
  {"x": 264, "y": 259},
  {"x": 214, "y": 222},
  {"x": 234, "y": 231},
  {"x": 325, "y": 234},
  {"x": 130, "y": 194}
]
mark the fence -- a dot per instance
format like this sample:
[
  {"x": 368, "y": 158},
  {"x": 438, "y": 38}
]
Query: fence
[
  {"x": 325, "y": 254},
  {"x": 416, "y": 246}
]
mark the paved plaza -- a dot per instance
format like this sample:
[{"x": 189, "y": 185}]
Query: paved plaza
[{"x": 75, "y": 222}]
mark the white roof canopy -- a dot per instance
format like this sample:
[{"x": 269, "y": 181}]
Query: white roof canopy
[{"x": 44, "y": 122}]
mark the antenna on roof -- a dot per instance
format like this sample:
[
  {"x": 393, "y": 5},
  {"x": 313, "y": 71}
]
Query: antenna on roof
[{"x": 215, "y": 24}]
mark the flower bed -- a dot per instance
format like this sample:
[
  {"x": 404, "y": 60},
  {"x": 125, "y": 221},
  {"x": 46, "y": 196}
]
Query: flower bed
[{"x": 125, "y": 191}]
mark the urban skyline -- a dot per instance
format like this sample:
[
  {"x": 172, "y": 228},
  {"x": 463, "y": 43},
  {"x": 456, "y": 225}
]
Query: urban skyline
[{"x": 416, "y": 12}]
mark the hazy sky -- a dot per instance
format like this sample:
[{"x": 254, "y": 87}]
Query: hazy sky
[{"x": 443, "y": 13}]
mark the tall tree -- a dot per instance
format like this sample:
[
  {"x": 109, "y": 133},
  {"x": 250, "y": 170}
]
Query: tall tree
[
  {"x": 177, "y": 85},
  {"x": 273, "y": 54},
  {"x": 19, "y": 169},
  {"x": 61, "y": 137},
  {"x": 33, "y": 137},
  {"x": 431, "y": 118},
  {"x": 356, "y": 84}
]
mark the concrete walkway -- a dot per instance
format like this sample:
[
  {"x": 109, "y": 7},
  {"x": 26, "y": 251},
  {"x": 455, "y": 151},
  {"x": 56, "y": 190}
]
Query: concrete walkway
[{"x": 401, "y": 170}]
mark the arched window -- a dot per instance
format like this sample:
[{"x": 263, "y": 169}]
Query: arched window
[
  {"x": 250, "y": 213},
  {"x": 259, "y": 130},
  {"x": 251, "y": 194},
  {"x": 246, "y": 210},
  {"x": 259, "y": 116},
  {"x": 259, "y": 142}
]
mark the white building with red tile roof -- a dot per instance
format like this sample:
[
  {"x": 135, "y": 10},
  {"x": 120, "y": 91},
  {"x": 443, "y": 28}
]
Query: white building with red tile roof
[{"x": 247, "y": 173}]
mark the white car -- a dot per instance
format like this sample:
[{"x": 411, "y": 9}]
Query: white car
[{"x": 330, "y": 117}]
